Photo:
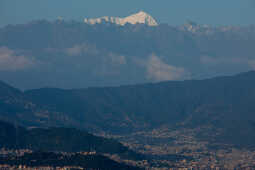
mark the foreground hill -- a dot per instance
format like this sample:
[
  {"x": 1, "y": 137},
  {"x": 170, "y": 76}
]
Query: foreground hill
[
  {"x": 48, "y": 159},
  {"x": 61, "y": 140},
  {"x": 44, "y": 160}
]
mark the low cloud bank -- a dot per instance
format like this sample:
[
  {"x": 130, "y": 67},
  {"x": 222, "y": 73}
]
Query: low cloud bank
[
  {"x": 9, "y": 61},
  {"x": 157, "y": 70}
]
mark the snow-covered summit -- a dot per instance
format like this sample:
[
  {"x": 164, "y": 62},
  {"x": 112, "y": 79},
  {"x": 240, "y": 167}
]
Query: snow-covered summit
[{"x": 138, "y": 18}]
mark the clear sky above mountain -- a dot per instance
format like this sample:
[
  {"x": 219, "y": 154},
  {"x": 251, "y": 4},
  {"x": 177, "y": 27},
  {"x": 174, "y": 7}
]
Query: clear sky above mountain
[{"x": 174, "y": 12}]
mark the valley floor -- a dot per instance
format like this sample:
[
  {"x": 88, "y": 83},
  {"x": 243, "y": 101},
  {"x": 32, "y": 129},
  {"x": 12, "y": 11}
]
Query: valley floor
[{"x": 181, "y": 149}]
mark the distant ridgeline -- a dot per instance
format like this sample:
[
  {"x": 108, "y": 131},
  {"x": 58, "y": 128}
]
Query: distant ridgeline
[{"x": 223, "y": 104}]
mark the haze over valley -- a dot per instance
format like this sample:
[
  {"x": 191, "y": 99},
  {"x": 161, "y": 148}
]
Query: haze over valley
[{"x": 127, "y": 92}]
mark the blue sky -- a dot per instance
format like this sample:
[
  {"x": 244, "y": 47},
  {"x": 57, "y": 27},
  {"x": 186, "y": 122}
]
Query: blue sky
[{"x": 174, "y": 12}]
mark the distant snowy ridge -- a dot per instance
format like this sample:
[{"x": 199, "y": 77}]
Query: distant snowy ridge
[{"x": 138, "y": 18}]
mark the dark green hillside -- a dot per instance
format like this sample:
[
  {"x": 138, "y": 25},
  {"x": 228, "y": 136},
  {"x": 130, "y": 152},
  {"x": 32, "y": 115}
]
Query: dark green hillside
[
  {"x": 59, "y": 139},
  {"x": 44, "y": 159}
]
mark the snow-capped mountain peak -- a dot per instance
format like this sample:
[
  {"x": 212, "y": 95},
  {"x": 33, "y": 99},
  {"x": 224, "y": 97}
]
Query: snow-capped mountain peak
[{"x": 138, "y": 18}]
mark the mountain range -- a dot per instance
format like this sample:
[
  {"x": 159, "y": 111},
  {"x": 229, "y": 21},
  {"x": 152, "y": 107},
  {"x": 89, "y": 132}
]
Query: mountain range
[
  {"x": 70, "y": 54},
  {"x": 220, "y": 109}
]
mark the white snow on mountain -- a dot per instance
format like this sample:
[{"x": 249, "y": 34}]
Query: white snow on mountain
[{"x": 138, "y": 18}]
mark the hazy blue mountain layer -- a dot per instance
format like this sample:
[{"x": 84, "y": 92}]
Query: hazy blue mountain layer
[{"x": 77, "y": 55}]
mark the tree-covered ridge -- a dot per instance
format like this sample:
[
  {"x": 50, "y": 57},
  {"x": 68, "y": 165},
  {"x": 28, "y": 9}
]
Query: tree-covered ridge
[
  {"x": 59, "y": 139},
  {"x": 50, "y": 159}
]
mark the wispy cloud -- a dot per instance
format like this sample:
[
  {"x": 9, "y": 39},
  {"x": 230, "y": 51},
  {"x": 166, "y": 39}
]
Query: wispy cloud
[
  {"x": 228, "y": 61},
  {"x": 9, "y": 61},
  {"x": 157, "y": 70},
  {"x": 117, "y": 59},
  {"x": 81, "y": 49},
  {"x": 74, "y": 51},
  {"x": 252, "y": 64}
]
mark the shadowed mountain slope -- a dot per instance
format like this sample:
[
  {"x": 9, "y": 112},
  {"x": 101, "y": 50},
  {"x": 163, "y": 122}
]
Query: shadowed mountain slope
[
  {"x": 61, "y": 140},
  {"x": 223, "y": 104}
]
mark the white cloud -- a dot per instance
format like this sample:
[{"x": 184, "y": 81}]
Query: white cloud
[
  {"x": 117, "y": 59},
  {"x": 157, "y": 70},
  {"x": 74, "y": 51},
  {"x": 252, "y": 64},
  {"x": 80, "y": 49},
  {"x": 9, "y": 61}
]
